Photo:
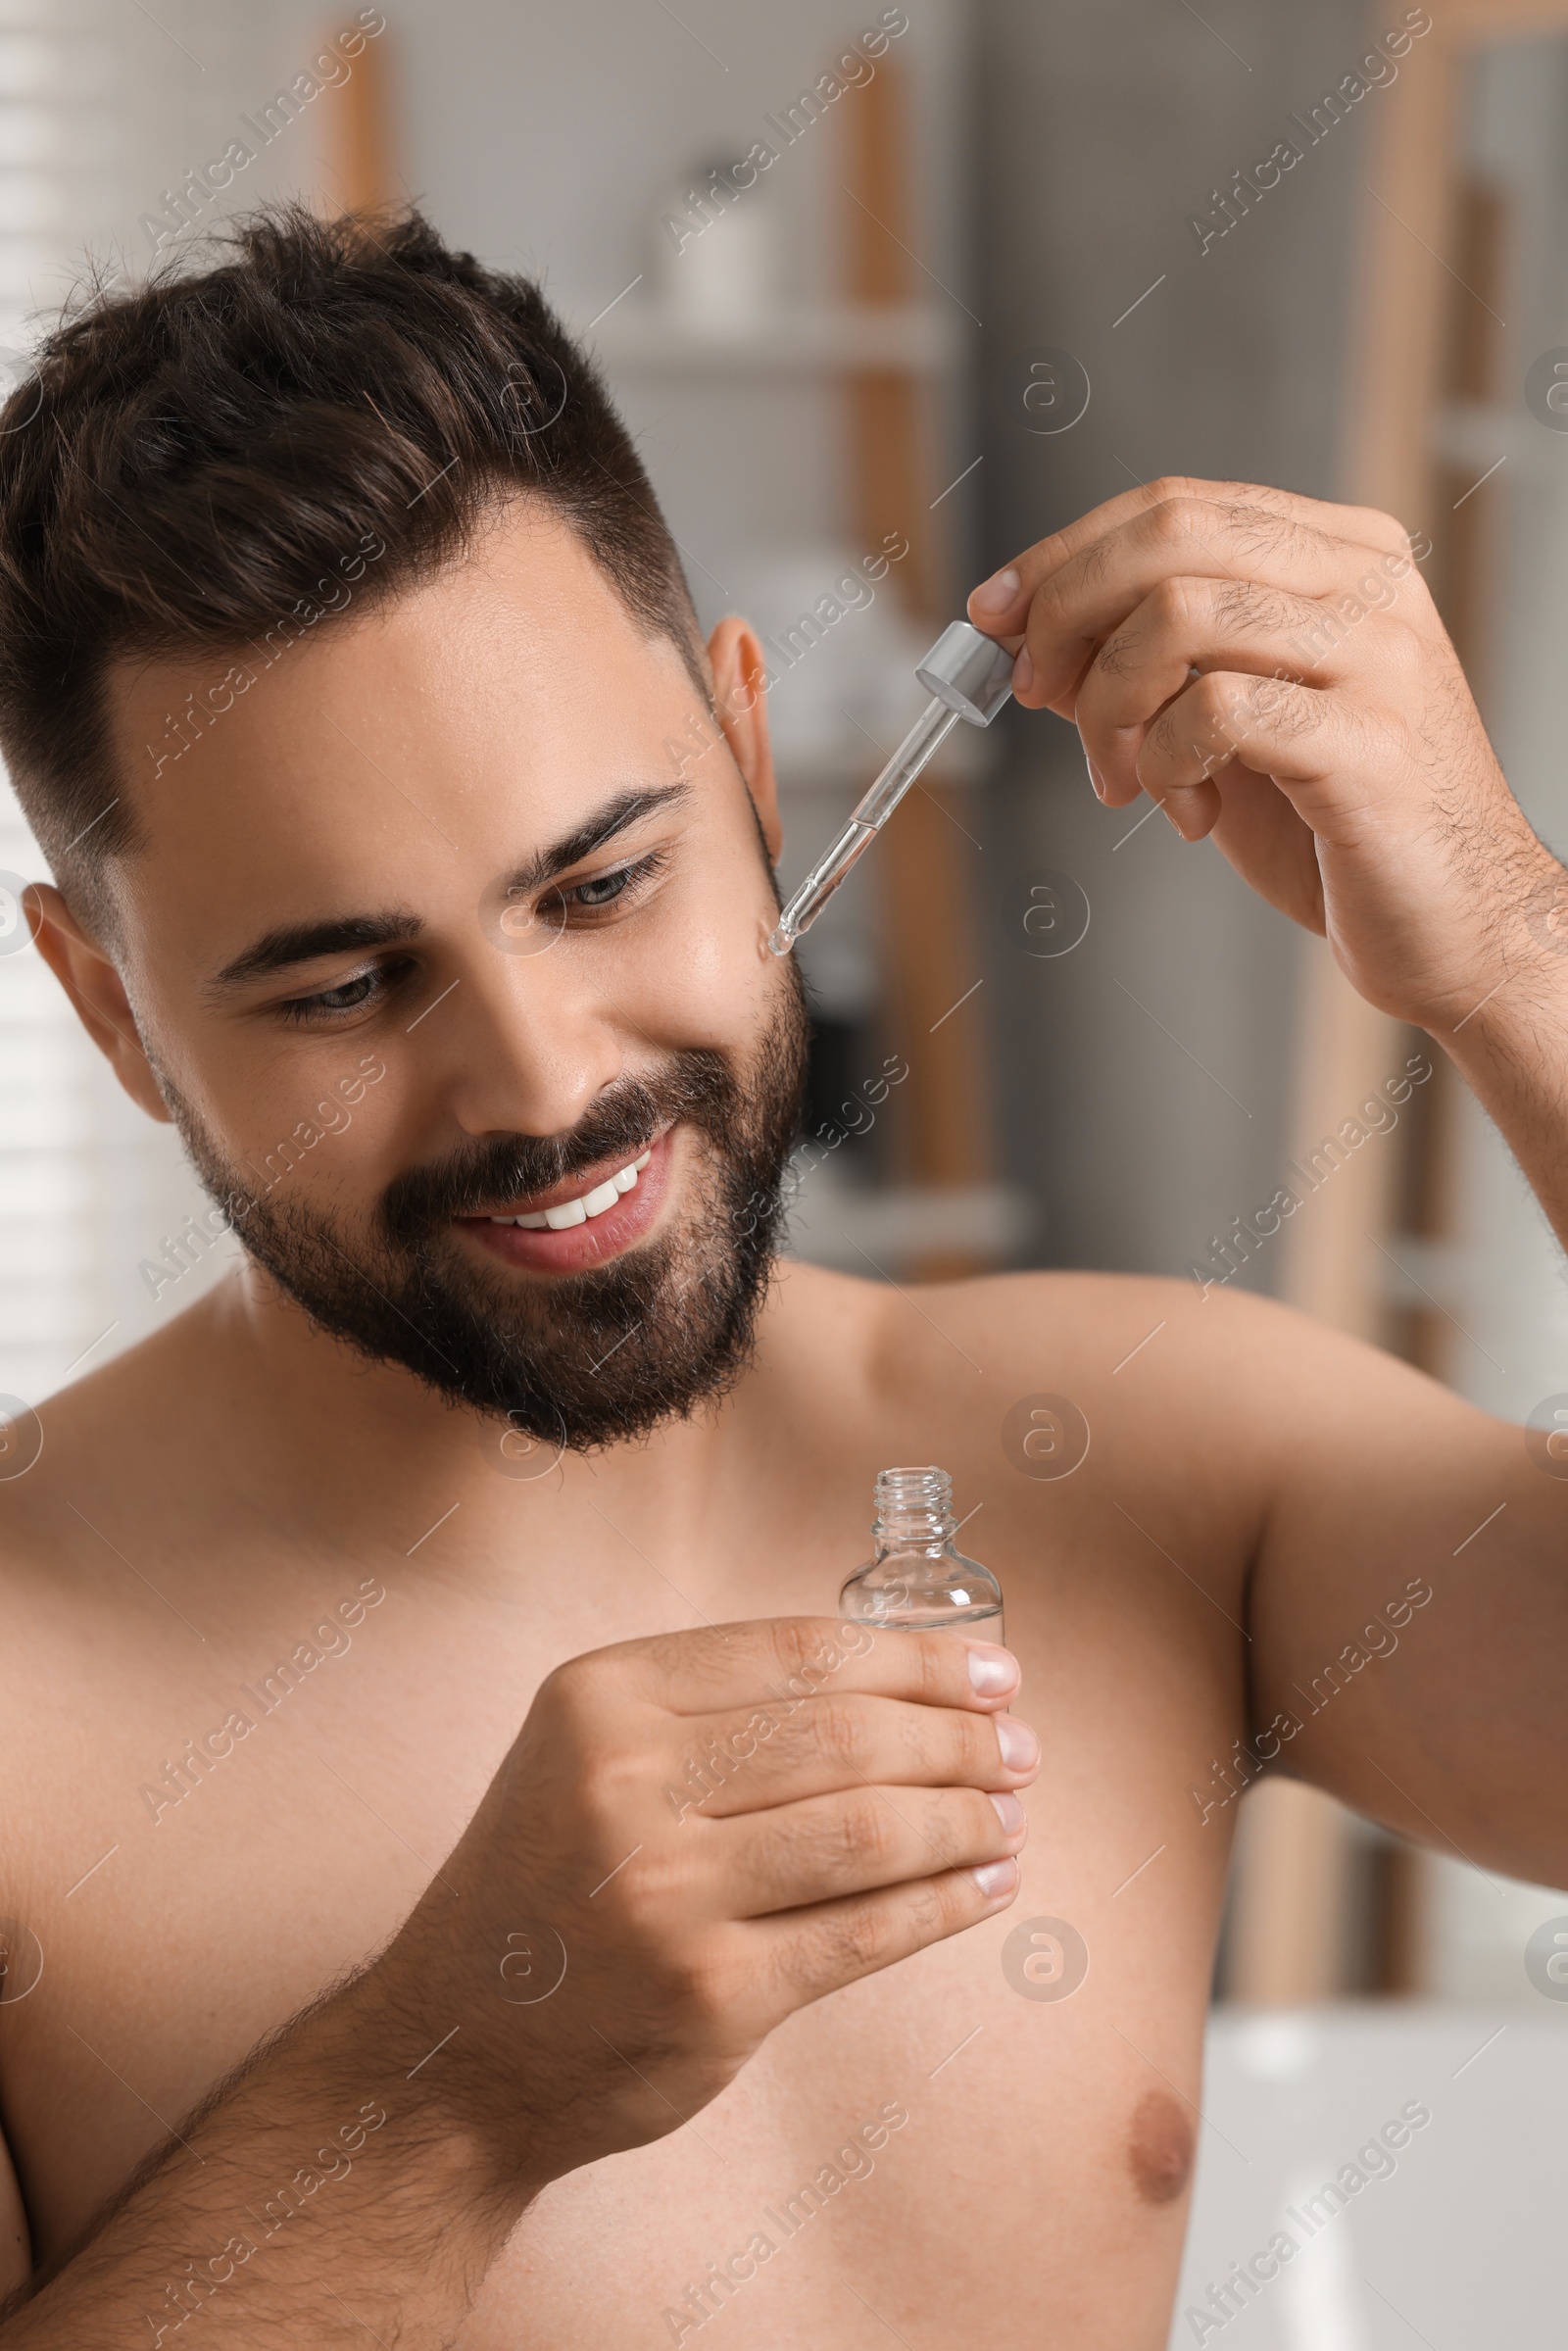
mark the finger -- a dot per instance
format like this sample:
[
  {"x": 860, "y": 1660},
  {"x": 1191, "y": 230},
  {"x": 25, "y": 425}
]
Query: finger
[
  {"x": 1269, "y": 843},
  {"x": 1076, "y": 607},
  {"x": 1256, "y": 828},
  {"x": 1303, "y": 738},
  {"x": 800, "y": 1656},
  {"x": 1200, "y": 623},
  {"x": 813, "y": 1951},
  {"x": 997, "y": 605},
  {"x": 772, "y": 1754},
  {"x": 853, "y": 1842}
]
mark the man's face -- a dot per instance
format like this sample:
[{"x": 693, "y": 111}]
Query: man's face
[{"x": 458, "y": 916}]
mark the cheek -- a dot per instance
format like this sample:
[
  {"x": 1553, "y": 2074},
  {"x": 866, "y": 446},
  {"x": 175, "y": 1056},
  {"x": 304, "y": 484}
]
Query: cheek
[
  {"x": 711, "y": 990},
  {"x": 701, "y": 966},
  {"x": 260, "y": 1096}
]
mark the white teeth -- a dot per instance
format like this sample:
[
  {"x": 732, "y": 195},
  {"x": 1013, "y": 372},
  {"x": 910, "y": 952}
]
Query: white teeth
[{"x": 577, "y": 1211}]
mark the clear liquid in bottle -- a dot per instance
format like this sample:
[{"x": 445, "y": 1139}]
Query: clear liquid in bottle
[{"x": 916, "y": 1580}]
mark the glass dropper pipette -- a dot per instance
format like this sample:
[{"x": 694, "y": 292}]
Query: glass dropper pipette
[{"x": 969, "y": 676}]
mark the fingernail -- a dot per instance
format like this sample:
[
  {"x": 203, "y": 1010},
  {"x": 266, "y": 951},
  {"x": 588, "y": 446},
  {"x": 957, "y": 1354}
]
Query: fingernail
[
  {"x": 994, "y": 595},
  {"x": 1009, "y": 1812},
  {"x": 1020, "y": 1749},
  {"x": 1093, "y": 777},
  {"x": 996, "y": 1878},
  {"x": 1023, "y": 671},
  {"x": 990, "y": 1670}
]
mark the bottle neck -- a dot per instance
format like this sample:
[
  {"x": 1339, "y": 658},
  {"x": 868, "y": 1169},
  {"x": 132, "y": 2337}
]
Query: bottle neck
[
  {"x": 912, "y": 1535},
  {"x": 913, "y": 1511}
]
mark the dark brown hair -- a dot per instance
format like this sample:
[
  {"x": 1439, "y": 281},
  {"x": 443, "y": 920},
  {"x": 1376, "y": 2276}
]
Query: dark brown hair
[{"x": 196, "y": 462}]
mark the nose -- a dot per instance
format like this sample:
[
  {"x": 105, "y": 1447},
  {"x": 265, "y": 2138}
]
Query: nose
[{"x": 528, "y": 1047}]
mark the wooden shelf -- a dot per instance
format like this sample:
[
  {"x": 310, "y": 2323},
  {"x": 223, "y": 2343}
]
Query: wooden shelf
[{"x": 807, "y": 338}]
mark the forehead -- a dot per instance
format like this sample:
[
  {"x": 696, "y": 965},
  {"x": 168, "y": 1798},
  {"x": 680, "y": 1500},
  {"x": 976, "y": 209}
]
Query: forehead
[{"x": 442, "y": 727}]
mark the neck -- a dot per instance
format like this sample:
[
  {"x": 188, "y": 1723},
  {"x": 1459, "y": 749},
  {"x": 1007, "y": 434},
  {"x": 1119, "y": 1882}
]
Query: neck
[{"x": 343, "y": 1443}]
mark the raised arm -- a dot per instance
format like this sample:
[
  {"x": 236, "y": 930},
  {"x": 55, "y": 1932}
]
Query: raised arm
[
  {"x": 1271, "y": 671},
  {"x": 1329, "y": 745},
  {"x": 1406, "y": 1610},
  {"x": 756, "y": 1813}
]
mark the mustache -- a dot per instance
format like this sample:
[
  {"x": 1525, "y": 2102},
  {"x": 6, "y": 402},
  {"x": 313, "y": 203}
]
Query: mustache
[{"x": 697, "y": 1085}]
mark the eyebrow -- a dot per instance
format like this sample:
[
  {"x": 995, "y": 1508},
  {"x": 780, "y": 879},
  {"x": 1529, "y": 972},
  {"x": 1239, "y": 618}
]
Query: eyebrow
[
  {"x": 297, "y": 943},
  {"x": 304, "y": 942},
  {"x": 617, "y": 816}
]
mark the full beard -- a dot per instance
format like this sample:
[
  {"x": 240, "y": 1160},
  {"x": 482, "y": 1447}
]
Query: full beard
[{"x": 585, "y": 1359}]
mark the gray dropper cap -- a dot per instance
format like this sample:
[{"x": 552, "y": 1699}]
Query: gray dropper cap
[{"x": 970, "y": 672}]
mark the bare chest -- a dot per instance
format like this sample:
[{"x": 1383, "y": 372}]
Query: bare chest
[
  {"x": 939, "y": 2139},
  {"x": 1007, "y": 2116}
]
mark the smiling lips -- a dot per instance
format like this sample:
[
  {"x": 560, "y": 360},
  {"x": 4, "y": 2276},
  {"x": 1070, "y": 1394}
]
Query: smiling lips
[
  {"x": 588, "y": 1205},
  {"x": 564, "y": 1234}
]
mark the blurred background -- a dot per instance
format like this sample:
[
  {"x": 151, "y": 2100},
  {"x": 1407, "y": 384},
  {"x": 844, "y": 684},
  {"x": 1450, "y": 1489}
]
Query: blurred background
[{"x": 885, "y": 296}]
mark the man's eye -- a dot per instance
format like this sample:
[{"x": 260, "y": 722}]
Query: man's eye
[
  {"x": 602, "y": 890},
  {"x": 349, "y": 996}
]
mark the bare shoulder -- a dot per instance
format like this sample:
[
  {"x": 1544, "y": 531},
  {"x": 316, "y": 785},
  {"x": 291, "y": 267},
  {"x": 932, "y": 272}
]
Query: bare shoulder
[
  {"x": 167, "y": 1368},
  {"x": 96, "y": 1427},
  {"x": 1147, "y": 1339},
  {"x": 1109, "y": 1336},
  {"x": 1211, "y": 1409},
  {"x": 108, "y": 1476}
]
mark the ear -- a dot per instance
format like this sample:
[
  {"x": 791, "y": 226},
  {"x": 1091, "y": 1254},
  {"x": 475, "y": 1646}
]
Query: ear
[
  {"x": 740, "y": 690},
  {"x": 94, "y": 986}
]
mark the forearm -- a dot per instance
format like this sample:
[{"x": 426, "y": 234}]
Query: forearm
[
  {"x": 471, "y": 2065},
  {"x": 321, "y": 2193},
  {"x": 1511, "y": 1045}
]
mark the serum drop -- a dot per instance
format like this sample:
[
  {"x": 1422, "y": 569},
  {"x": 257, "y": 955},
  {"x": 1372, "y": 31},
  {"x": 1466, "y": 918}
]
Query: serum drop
[{"x": 916, "y": 1579}]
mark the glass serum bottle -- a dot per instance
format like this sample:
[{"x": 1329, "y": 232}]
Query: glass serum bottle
[{"x": 916, "y": 1580}]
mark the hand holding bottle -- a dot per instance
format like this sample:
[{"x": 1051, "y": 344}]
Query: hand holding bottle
[
  {"x": 707, "y": 1830},
  {"x": 692, "y": 1836}
]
